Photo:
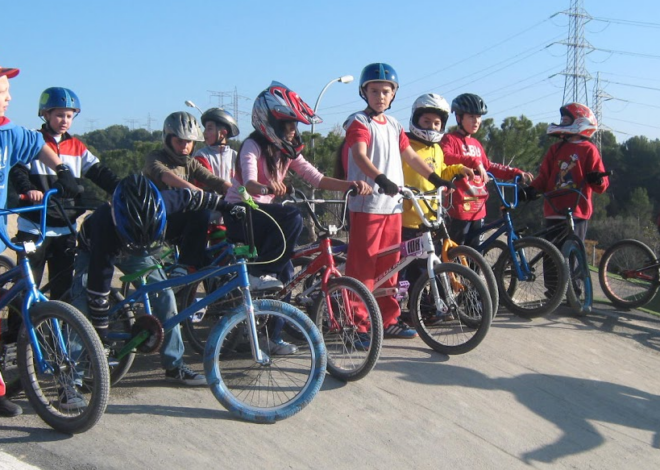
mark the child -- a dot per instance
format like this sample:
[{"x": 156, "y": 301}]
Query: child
[
  {"x": 57, "y": 108},
  {"x": 428, "y": 119},
  {"x": 19, "y": 145},
  {"x": 569, "y": 163},
  {"x": 126, "y": 234},
  {"x": 172, "y": 167},
  {"x": 265, "y": 159},
  {"x": 218, "y": 157},
  {"x": 375, "y": 145},
  {"x": 460, "y": 147}
]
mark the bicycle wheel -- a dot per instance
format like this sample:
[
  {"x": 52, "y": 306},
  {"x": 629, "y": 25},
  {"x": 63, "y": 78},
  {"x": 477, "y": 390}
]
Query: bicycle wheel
[
  {"x": 197, "y": 328},
  {"x": 460, "y": 324},
  {"x": 75, "y": 365},
  {"x": 479, "y": 265},
  {"x": 544, "y": 288},
  {"x": 353, "y": 344},
  {"x": 276, "y": 390},
  {"x": 493, "y": 252},
  {"x": 628, "y": 273},
  {"x": 579, "y": 292}
]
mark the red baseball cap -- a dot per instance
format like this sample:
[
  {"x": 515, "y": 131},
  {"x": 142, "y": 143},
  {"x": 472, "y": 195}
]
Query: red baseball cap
[{"x": 10, "y": 73}]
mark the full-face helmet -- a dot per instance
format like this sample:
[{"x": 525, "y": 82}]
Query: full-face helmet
[
  {"x": 583, "y": 121},
  {"x": 138, "y": 212},
  {"x": 58, "y": 97},
  {"x": 273, "y": 107},
  {"x": 429, "y": 103}
]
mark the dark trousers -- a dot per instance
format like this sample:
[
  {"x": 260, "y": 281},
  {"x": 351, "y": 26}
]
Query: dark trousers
[
  {"x": 59, "y": 253},
  {"x": 268, "y": 239}
]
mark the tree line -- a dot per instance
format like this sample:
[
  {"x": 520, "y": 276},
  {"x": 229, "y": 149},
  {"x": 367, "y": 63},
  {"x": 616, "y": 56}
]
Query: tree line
[{"x": 628, "y": 209}]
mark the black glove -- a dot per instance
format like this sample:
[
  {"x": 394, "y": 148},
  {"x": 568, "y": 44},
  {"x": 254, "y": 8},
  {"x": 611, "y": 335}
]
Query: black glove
[
  {"x": 593, "y": 177},
  {"x": 66, "y": 183},
  {"x": 436, "y": 181},
  {"x": 528, "y": 193},
  {"x": 387, "y": 186}
]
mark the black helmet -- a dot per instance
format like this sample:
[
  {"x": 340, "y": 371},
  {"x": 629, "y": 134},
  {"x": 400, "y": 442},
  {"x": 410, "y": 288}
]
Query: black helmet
[
  {"x": 469, "y": 103},
  {"x": 138, "y": 212},
  {"x": 223, "y": 118}
]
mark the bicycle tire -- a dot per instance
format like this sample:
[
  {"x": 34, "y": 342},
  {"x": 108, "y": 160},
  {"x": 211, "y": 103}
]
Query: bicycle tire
[
  {"x": 351, "y": 354},
  {"x": 264, "y": 393},
  {"x": 619, "y": 274},
  {"x": 579, "y": 292},
  {"x": 492, "y": 254},
  {"x": 532, "y": 298},
  {"x": 90, "y": 366},
  {"x": 196, "y": 329},
  {"x": 477, "y": 263},
  {"x": 465, "y": 325}
]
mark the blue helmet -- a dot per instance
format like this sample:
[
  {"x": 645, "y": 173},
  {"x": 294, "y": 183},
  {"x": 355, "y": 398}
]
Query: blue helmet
[
  {"x": 58, "y": 97},
  {"x": 378, "y": 72},
  {"x": 138, "y": 212}
]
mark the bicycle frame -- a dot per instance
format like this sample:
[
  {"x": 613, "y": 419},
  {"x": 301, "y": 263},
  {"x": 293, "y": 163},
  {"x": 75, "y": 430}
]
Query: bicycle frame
[
  {"x": 504, "y": 225},
  {"x": 23, "y": 280}
]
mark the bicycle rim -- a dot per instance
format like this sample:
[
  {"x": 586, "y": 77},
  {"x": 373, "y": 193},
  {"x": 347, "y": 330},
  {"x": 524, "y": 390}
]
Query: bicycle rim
[
  {"x": 264, "y": 393},
  {"x": 544, "y": 288},
  {"x": 353, "y": 332},
  {"x": 628, "y": 274},
  {"x": 461, "y": 324},
  {"x": 74, "y": 356}
]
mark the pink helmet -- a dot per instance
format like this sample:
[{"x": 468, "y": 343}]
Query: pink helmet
[{"x": 583, "y": 121}]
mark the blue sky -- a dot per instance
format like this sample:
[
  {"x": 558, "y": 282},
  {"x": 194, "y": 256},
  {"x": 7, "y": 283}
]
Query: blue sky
[{"x": 134, "y": 62}]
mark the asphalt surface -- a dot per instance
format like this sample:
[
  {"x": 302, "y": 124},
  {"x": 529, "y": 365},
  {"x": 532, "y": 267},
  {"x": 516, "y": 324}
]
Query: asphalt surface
[{"x": 557, "y": 391}]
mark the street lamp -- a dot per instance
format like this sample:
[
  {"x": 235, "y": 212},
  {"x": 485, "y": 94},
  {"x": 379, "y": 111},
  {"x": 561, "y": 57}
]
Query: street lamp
[
  {"x": 342, "y": 79},
  {"x": 190, "y": 104}
]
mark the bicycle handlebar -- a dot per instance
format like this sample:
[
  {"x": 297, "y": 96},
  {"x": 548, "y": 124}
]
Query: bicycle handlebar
[
  {"x": 565, "y": 191},
  {"x": 43, "y": 206},
  {"x": 414, "y": 195},
  {"x": 298, "y": 197}
]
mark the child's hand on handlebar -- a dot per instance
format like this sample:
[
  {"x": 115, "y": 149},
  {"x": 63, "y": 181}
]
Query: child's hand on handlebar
[
  {"x": 527, "y": 177},
  {"x": 278, "y": 189},
  {"x": 34, "y": 195},
  {"x": 361, "y": 187},
  {"x": 467, "y": 172}
]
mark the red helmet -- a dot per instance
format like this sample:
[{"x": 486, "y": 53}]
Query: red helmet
[
  {"x": 276, "y": 105},
  {"x": 583, "y": 121}
]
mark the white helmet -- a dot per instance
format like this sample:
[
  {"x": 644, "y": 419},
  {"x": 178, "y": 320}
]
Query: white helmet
[{"x": 429, "y": 103}]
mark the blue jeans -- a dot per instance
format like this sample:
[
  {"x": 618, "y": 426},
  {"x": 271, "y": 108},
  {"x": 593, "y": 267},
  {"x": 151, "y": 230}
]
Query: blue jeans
[{"x": 163, "y": 303}]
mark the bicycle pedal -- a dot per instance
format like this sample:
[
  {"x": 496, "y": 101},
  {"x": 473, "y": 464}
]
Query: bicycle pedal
[{"x": 198, "y": 316}]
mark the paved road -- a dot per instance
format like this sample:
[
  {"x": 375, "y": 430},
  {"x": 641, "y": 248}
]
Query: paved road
[{"x": 556, "y": 391}]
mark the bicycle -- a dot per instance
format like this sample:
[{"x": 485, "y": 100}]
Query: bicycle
[
  {"x": 629, "y": 273},
  {"x": 244, "y": 377},
  {"x": 531, "y": 274},
  {"x": 58, "y": 353},
  {"x": 450, "y": 306},
  {"x": 451, "y": 251},
  {"x": 579, "y": 291},
  {"x": 352, "y": 346}
]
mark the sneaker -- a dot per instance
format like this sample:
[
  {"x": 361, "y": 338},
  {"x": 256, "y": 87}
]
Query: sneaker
[
  {"x": 184, "y": 375},
  {"x": 400, "y": 330},
  {"x": 9, "y": 409},
  {"x": 70, "y": 398},
  {"x": 277, "y": 347},
  {"x": 264, "y": 282}
]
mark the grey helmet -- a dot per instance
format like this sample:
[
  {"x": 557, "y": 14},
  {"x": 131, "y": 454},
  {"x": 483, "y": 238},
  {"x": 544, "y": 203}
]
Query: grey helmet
[
  {"x": 223, "y": 118},
  {"x": 429, "y": 103},
  {"x": 469, "y": 103},
  {"x": 183, "y": 125}
]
